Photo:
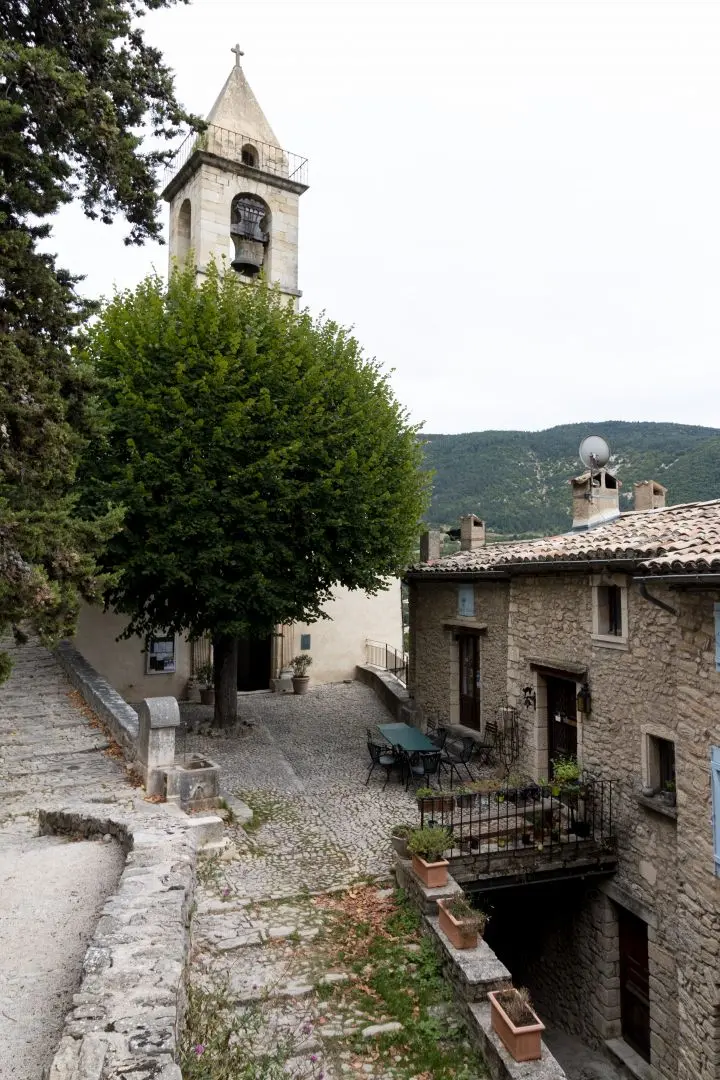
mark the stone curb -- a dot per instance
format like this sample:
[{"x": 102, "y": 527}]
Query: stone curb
[
  {"x": 101, "y": 697},
  {"x": 127, "y": 1016}
]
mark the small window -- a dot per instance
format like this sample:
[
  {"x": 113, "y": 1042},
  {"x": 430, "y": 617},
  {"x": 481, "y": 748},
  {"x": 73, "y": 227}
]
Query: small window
[
  {"x": 610, "y": 615},
  {"x": 661, "y": 764},
  {"x": 161, "y": 656},
  {"x": 466, "y": 600},
  {"x": 249, "y": 156},
  {"x": 304, "y": 642},
  {"x": 609, "y": 610}
]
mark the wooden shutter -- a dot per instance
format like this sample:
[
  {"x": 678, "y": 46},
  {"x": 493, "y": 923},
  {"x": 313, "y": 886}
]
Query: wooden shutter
[{"x": 715, "y": 782}]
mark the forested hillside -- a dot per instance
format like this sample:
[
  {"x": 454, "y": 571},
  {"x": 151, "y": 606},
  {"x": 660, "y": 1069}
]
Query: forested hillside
[{"x": 517, "y": 481}]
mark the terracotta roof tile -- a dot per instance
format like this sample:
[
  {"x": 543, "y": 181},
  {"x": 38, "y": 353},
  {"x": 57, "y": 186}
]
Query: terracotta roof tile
[{"x": 674, "y": 539}]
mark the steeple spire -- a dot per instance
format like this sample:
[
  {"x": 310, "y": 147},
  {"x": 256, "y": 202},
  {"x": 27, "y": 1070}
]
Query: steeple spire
[{"x": 237, "y": 108}]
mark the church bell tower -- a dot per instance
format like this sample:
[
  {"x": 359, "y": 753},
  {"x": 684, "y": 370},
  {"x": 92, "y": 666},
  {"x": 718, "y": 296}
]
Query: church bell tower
[{"x": 234, "y": 192}]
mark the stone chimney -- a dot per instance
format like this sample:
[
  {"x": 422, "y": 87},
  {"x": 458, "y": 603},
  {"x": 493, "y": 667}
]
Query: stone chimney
[
  {"x": 472, "y": 533},
  {"x": 430, "y": 545},
  {"x": 596, "y": 499},
  {"x": 649, "y": 495}
]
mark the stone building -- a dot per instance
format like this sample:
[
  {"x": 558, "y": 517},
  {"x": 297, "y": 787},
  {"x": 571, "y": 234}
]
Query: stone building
[
  {"x": 604, "y": 644},
  {"x": 233, "y": 192}
]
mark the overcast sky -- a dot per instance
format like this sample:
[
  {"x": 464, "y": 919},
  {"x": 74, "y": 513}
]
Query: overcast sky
[{"x": 516, "y": 203}]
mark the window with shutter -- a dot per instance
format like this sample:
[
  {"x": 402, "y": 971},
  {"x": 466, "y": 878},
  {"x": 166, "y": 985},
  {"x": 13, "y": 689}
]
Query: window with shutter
[{"x": 715, "y": 781}]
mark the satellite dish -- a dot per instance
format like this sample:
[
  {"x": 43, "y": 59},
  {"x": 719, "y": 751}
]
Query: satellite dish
[{"x": 594, "y": 453}]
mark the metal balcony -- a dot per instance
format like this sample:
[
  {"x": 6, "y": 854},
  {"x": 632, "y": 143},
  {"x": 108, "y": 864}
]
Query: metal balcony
[{"x": 251, "y": 156}]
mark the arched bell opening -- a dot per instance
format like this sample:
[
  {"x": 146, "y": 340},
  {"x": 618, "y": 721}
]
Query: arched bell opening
[
  {"x": 184, "y": 230},
  {"x": 250, "y": 232}
]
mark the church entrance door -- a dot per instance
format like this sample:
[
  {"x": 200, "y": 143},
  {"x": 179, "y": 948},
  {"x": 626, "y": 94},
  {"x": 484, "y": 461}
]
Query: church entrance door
[{"x": 254, "y": 663}]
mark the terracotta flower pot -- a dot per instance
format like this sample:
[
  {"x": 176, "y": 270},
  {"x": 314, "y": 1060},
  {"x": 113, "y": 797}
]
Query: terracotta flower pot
[
  {"x": 523, "y": 1043},
  {"x": 458, "y": 932},
  {"x": 432, "y": 874},
  {"x": 300, "y": 684},
  {"x": 207, "y": 695}
]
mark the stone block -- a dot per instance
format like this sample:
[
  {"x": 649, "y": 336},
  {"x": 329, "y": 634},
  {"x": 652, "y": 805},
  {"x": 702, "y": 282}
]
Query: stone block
[
  {"x": 471, "y": 972},
  {"x": 500, "y": 1064},
  {"x": 195, "y": 785},
  {"x": 424, "y": 898}
]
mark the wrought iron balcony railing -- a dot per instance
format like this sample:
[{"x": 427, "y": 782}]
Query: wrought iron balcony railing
[
  {"x": 550, "y": 820},
  {"x": 264, "y": 157}
]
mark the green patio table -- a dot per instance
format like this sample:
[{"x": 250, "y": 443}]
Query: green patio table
[{"x": 409, "y": 738}]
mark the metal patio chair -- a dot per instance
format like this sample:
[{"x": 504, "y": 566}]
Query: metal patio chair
[
  {"x": 382, "y": 754},
  {"x": 438, "y": 737},
  {"x": 486, "y": 749},
  {"x": 459, "y": 753},
  {"x": 422, "y": 765}
]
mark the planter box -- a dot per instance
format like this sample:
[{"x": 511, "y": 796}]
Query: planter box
[
  {"x": 460, "y": 935},
  {"x": 437, "y": 804},
  {"x": 522, "y": 1043},
  {"x": 434, "y": 874}
]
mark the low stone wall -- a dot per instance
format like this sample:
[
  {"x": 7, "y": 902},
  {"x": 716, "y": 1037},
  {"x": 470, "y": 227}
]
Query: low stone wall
[
  {"x": 127, "y": 1016},
  {"x": 112, "y": 709},
  {"x": 472, "y": 973},
  {"x": 392, "y": 693}
]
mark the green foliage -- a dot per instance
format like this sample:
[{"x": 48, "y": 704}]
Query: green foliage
[
  {"x": 517, "y": 481},
  {"x": 429, "y": 842},
  {"x": 460, "y": 908},
  {"x": 260, "y": 458},
  {"x": 300, "y": 664},
  {"x": 78, "y": 86},
  {"x": 565, "y": 770},
  {"x": 204, "y": 674}
]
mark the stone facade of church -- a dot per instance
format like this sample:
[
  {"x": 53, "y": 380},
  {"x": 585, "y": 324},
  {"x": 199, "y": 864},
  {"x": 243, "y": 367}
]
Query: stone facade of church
[{"x": 604, "y": 642}]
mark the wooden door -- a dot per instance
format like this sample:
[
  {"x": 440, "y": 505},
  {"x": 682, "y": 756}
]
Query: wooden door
[
  {"x": 469, "y": 655},
  {"x": 634, "y": 983},
  {"x": 562, "y": 719}
]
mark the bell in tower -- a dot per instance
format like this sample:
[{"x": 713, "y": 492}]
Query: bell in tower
[{"x": 249, "y": 228}]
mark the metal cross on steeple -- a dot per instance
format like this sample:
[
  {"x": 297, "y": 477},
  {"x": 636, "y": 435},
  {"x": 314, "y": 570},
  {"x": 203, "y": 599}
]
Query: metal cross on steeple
[{"x": 238, "y": 53}]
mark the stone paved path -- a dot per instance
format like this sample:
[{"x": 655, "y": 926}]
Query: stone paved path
[
  {"x": 260, "y": 932},
  {"x": 303, "y": 768},
  {"x": 51, "y": 890}
]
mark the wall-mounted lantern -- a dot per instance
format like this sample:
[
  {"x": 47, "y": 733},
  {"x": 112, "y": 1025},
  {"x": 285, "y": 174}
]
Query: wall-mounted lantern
[
  {"x": 529, "y": 700},
  {"x": 584, "y": 699}
]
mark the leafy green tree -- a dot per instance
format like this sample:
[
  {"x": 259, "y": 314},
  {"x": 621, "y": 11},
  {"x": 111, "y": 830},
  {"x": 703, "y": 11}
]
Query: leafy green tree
[
  {"x": 79, "y": 89},
  {"x": 260, "y": 458}
]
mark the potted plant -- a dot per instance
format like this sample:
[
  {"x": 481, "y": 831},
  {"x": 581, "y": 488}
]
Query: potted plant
[
  {"x": 204, "y": 676},
  {"x": 460, "y": 922},
  {"x": 432, "y": 802},
  {"x": 464, "y": 797},
  {"x": 399, "y": 839},
  {"x": 566, "y": 776},
  {"x": 516, "y": 1022},
  {"x": 300, "y": 677},
  {"x": 669, "y": 793},
  {"x": 426, "y": 845}
]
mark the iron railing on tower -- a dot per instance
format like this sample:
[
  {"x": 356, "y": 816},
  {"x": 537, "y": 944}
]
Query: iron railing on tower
[{"x": 243, "y": 149}]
